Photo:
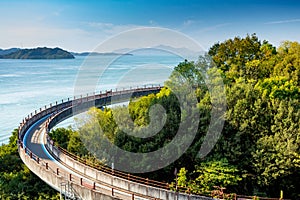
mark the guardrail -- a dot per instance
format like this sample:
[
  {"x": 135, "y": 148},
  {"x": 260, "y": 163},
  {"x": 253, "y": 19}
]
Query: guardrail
[
  {"x": 58, "y": 112},
  {"x": 98, "y": 175},
  {"x": 56, "y": 107},
  {"x": 120, "y": 180},
  {"x": 61, "y": 176}
]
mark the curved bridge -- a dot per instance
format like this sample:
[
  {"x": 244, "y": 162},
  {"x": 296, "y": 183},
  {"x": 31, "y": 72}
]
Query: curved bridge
[{"x": 73, "y": 177}]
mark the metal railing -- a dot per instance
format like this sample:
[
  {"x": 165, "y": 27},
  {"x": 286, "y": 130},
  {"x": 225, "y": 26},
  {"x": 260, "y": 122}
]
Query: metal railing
[
  {"x": 72, "y": 178},
  {"x": 52, "y": 111}
]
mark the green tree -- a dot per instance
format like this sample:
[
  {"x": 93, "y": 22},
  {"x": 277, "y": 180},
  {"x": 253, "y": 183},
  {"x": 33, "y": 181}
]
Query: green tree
[
  {"x": 16, "y": 180},
  {"x": 61, "y": 136},
  {"x": 209, "y": 174},
  {"x": 277, "y": 156},
  {"x": 289, "y": 61},
  {"x": 258, "y": 151},
  {"x": 242, "y": 57}
]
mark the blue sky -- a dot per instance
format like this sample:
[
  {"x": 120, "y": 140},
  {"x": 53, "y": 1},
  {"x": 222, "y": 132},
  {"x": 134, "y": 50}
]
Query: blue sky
[{"x": 82, "y": 25}]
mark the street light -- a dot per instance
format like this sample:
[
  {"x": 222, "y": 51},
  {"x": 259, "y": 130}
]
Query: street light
[{"x": 175, "y": 173}]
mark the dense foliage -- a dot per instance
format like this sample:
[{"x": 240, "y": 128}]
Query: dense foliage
[
  {"x": 16, "y": 180},
  {"x": 258, "y": 152}
]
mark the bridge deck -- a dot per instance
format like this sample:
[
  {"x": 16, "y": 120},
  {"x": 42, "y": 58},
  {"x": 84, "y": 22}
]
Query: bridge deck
[
  {"x": 34, "y": 142},
  {"x": 53, "y": 165}
]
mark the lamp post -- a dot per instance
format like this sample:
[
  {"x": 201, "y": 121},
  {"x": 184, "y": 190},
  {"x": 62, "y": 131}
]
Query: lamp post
[
  {"x": 175, "y": 173},
  {"x": 112, "y": 173}
]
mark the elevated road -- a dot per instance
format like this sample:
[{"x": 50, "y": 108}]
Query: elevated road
[{"x": 70, "y": 175}]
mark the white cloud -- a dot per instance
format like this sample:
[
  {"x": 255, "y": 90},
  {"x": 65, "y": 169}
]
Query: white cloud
[
  {"x": 153, "y": 23},
  {"x": 188, "y": 22},
  {"x": 147, "y": 37},
  {"x": 87, "y": 36},
  {"x": 110, "y": 28},
  {"x": 56, "y": 13},
  {"x": 33, "y": 36},
  {"x": 100, "y": 25},
  {"x": 83, "y": 37},
  {"x": 213, "y": 28},
  {"x": 284, "y": 21}
]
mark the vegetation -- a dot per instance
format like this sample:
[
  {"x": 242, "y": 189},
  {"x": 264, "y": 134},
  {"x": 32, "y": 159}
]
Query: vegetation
[
  {"x": 8, "y": 51},
  {"x": 258, "y": 152},
  {"x": 38, "y": 53},
  {"x": 16, "y": 180}
]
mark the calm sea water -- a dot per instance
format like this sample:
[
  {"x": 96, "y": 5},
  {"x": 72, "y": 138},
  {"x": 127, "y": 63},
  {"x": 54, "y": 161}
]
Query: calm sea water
[{"x": 27, "y": 85}]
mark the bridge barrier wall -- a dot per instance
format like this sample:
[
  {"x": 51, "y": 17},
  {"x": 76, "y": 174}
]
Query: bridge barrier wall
[
  {"x": 54, "y": 180},
  {"x": 94, "y": 99},
  {"x": 108, "y": 179},
  {"x": 64, "y": 110}
]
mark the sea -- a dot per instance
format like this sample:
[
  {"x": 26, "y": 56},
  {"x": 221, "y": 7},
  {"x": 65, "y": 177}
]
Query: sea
[{"x": 27, "y": 85}]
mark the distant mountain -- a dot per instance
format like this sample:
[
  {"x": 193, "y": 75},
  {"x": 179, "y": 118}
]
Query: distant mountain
[
  {"x": 181, "y": 51},
  {"x": 8, "y": 51},
  {"x": 164, "y": 49},
  {"x": 100, "y": 54},
  {"x": 38, "y": 53},
  {"x": 124, "y": 50}
]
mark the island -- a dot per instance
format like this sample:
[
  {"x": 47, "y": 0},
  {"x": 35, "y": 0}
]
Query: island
[
  {"x": 8, "y": 51},
  {"x": 38, "y": 53},
  {"x": 101, "y": 54}
]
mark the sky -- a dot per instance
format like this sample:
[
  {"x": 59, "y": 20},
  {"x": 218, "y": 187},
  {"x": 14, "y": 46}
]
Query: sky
[{"x": 80, "y": 26}]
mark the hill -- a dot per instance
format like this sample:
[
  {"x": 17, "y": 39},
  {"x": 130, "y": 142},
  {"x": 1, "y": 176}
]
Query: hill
[
  {"x": 100, "y": 54},
  {"x": 38, "y": 53},
  {"x": 8, "y": 51}
]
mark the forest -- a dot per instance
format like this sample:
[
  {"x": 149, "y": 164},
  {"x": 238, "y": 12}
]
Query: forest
[{"x": 257, "y": 152}]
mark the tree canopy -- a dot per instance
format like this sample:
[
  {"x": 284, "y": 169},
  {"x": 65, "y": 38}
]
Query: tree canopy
[
  {"x": 258, "y": 152},
  {"x": 16, "y": 180}
]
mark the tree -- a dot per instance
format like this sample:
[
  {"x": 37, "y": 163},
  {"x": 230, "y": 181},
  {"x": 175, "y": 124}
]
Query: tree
[
  {"x": 289, "y": 61},
  {"x": 241, "y": 57},
  {"x": 258, "y": 151},
  {"x": 209, "y": 174},
  {"x": 277, "y": 156},
  {"x": 16, "y": 180}
]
